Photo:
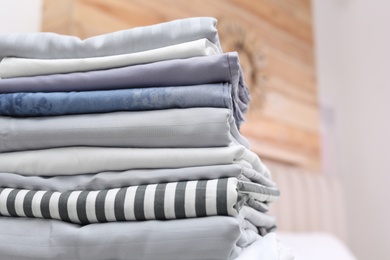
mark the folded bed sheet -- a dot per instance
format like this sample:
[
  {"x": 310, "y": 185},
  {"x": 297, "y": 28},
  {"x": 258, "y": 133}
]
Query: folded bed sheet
[
  {"x": 11, "y": 67},
  {"x": 163, "y": 201},
  {"x": 218, "y": 237},
  {"x": 55, "y": 46},
  {"x": 82, "y": 160},
  {"x": 108, "y": 180},
  {"x": 179, "y": 72},
  {"x": 173, "y": 128},
  {"x": 133, "y": 99}
]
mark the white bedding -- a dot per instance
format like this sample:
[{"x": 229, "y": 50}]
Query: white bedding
[
  {"x": 268, "y": 247},
  {"x": 316, "y": 246},
  {"x": 11, "y": 67}
]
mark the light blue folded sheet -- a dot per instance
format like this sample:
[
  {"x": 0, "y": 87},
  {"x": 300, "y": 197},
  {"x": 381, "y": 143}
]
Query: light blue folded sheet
[{"x": 134, "y": 99}]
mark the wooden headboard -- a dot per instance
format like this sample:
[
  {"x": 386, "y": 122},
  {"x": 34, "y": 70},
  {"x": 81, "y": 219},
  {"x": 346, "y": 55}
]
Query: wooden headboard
[{"x": 309, "y": 202}]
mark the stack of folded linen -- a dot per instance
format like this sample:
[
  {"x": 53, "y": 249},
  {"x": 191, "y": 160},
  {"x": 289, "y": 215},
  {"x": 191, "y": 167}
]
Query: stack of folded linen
[{"x": 127, "y": 146}]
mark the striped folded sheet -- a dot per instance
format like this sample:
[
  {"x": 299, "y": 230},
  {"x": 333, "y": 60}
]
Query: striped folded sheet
[
  {"x": 163, "y": 201},
  {"x": 55, "y": 46},
  {"x": 174, "y": 128},
  {"x": 11, "y": 67}
]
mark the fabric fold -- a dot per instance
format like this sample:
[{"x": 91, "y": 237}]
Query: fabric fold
[
  {"x": 162, "y": 201},
  {"x": 104, "y": 101},
  {"x": 187, "y": 72},
  {"x": 179, "y": 72},
  {"x": 11, "y": 67},
  {"x": 172, "y": 128},
  {"x": 108, "y": 180},
  {"x": 218, "y": 237},
  {"x": 55, "y": 46},
  {"x": 82, "y": 160}
]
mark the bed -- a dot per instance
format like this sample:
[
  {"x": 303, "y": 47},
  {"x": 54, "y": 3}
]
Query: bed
[{"x": 310, "y": 213}]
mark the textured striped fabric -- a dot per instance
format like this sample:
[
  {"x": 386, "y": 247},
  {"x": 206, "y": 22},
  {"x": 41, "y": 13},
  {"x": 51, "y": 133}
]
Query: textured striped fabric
[
  {"x": 21, "y": 67},
  {"x": 145, "y": 202},
  {"x": 257, "y": 191},
  {"x": 54, "y": 46},
  {"x": 192, "y": 127}
]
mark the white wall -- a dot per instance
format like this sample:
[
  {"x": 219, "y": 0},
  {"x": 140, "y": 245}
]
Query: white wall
[
  {"x": 353, "y": 68},
  {"x": 20, "y": 16}
]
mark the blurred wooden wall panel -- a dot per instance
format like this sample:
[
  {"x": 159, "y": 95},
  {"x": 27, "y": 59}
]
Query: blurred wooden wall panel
[
  {"x": 283, "y": 122},
  {"x": 57, "y": 16}
]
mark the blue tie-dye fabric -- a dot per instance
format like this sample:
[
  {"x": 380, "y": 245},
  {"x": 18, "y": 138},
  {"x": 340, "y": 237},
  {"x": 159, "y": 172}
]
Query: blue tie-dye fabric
[{"x": 135, "y": 99}]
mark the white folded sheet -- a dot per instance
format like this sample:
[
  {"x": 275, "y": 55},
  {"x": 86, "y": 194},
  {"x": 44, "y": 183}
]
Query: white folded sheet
[
  {"x": 11, "y": 67},
  {"x": 268, "y": 247}
]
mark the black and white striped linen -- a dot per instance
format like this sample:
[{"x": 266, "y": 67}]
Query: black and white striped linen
[{"x": 174, "y": 200}]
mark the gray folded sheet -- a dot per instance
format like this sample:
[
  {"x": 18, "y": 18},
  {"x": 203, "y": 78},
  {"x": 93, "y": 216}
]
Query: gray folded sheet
[
  {"x": 173, "y": 128},
  {"x": 108, "y": 180},
  {"x": 82, "y": 160},
  {"x": 217, "y": 238},
  {"x": 54, "y": 46},
  {"x": 179, "y": 72}
]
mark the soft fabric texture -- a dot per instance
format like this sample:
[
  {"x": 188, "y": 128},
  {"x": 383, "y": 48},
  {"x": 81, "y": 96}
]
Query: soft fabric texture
[
  {"x": 218, "y": 238},
  {"x": 81, "y": 160},
  {"x": 173, "y": 128},
  {"x": 11, "y": 67},
  {"x": 133, "y": 99},
  {"x": 55, "y": 46},
  {"x": 268, "y": 247},
  {"x": 163, "y": 201},
  {"x": 181, "y": 72},
  {"x": 110, "y": 179}
]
